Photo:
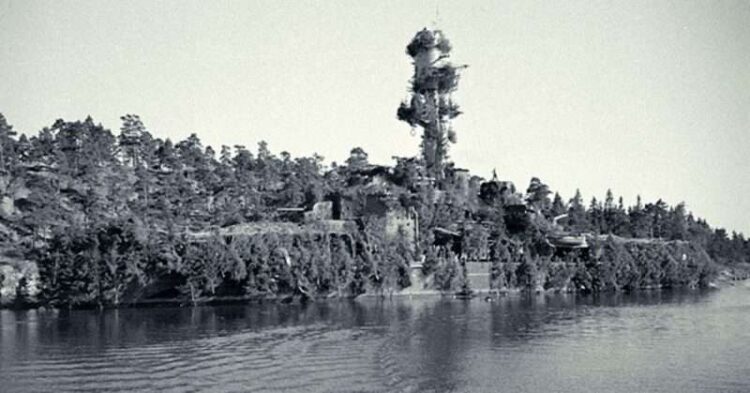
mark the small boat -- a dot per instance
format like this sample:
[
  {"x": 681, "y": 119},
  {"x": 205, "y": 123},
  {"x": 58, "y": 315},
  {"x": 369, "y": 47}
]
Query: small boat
[{"x": 465, "y": 293}]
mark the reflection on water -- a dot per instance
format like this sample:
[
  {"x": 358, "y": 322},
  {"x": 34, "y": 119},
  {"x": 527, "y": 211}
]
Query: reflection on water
[{"x": 656, "y": 342}]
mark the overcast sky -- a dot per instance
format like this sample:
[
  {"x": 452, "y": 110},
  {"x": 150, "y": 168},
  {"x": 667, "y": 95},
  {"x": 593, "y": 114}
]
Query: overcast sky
[{"x": 643, "y": 97}]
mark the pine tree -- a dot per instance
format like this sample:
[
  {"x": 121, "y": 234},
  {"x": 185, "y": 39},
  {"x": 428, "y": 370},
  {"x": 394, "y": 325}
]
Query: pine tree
[
  {"x": 8, "y": 146},
  {"x": 595, "y": 215},
  {"x": 558, "y": 206},
  {"x": 577, "y": 214},
  {"x": 537, "y": 196}
]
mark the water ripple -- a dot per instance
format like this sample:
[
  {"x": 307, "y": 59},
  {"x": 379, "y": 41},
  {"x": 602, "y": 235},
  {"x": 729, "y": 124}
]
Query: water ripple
[{"x": 687, "y": 343}]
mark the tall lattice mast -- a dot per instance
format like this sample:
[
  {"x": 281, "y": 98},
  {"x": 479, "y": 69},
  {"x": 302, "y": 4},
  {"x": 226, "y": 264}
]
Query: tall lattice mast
[{"x": 431, "y": 106}]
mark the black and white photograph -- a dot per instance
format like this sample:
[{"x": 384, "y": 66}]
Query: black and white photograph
[{"x": 349, "y": 196}]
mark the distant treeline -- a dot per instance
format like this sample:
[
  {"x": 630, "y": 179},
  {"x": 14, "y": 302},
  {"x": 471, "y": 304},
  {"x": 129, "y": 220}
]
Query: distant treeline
[
  {"x": 107, "y": 217},
  {"x": 654, "y": 220}
]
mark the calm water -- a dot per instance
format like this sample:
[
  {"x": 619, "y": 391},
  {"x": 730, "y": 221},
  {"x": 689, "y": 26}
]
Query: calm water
[{"x": 656, "y": 342}]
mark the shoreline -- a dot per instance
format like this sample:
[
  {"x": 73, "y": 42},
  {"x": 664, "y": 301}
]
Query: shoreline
[
  {"x": 487, "y": 295},
  {"x": 728, "y": 276}
]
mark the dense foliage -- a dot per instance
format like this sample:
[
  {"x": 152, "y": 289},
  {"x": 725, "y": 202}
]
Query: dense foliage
[
  {"x": 111, "y": 218},
  {"x": 108, "y": 218}
]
